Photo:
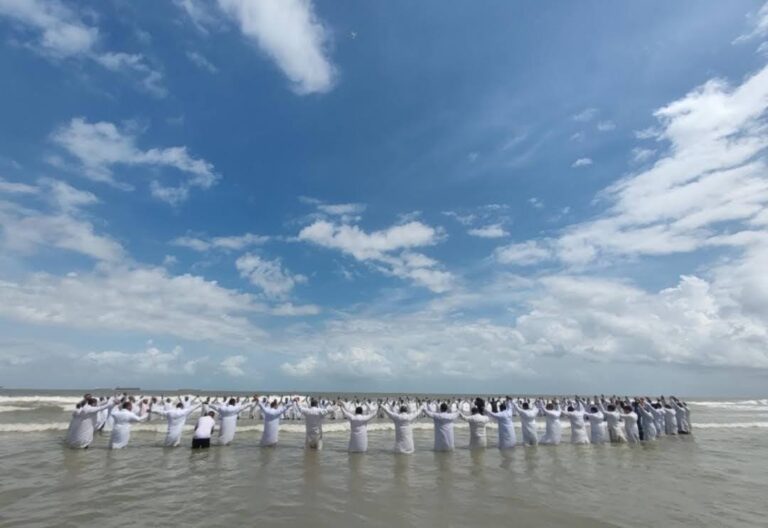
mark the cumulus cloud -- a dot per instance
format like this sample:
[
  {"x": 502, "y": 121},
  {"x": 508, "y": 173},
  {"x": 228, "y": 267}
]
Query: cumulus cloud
[
  {"x": 379, "y": 247},
  {"x": 524, "y": 253},
  {"x": 233, "y": 365},
  {"x": 62, "y": 34},
  {"x": 588, "y": 114},
  {"x": 225, "y": 243},
  {"x": 134, "y": 299},
  {"x": 151, "y": 361},
  {"x": 290, "y": 33},
  {"x": 489, "y": 231},
  {"x": 582, "y": 162},
  {"x": 268, "y": 275},
  {"x": 101, "y": 146}
]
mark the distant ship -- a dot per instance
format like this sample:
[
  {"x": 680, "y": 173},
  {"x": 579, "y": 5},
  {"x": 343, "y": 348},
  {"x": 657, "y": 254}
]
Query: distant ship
[{"x": 128, "y": 389}]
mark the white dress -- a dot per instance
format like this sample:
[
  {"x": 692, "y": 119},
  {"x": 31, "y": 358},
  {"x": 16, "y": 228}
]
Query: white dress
[
  {"x": 272, "y": 417},
  {"x": 84, "y": 422},
  {"x": 176, "y": 420},
  {"x": 313, "y": 423},
  {"x": 578, "y": 426},
  {"x": 121, "y": 430},
  {"x": 477, "y": 424},
  {"x": 507, "y": 437},
  {"x": 443, "y": 429},
  {"x": 554, "y": 431},
  {"x": 228, "y": 415},
  {"x": 403, "y": 429},
  {"x": 528, "y": 424},
  {"x": 596, "y": 427},
  {"x": 358, "y": 430}
]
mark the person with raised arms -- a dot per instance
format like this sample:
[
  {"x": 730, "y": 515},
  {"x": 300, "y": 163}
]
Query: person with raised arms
[
  {"x": 504, "y": 417},
  {"x": 358, "y": 427},
  {"x": 575, "y": 415},
  {"x": 272, "y": 414},
  {"x": 443, "y": 420},
  {"x": 596, "y": 424},
  {"x": 554, "y": 429},
  {"x": 85, "y": 420},
  {"x": 403, "y": 420},
  {"x": 314, "y": 416},
  {"x": 477, "y": 424},
  {"x": 228, "y": 414},
  {"x": 616, "y": 433},
  {"x": 176, "y": 419},
  {"x": 201, "y": 438},
  {"x": 527, "y": 422},
  {"x": 121, "y": 430}
]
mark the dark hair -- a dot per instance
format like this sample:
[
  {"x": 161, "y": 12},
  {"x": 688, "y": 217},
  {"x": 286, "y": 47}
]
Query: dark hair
[
  {"x": 474, "y": 410},
  {"x": 525, "y": 405},
  {"x": 313, "y": 402},
  {"x": 127, "y": 405},
  {"x": 273, "y": 404},
  {"x": 611, "y": 407},
  {"x": 443, "y": 407},
  {"x": 570, "y": 408},
  {"x": 358, "y": 410},
  {"x": 403, "y": 409},
  {"x": 502, "y": 407},
  {"x": 179, "y": 405},
  {"x": 232, "y": 401},
  {"x": 627, "y": 408},
  {"x": 92, "y": 401},
  {"x": 593, "y": 409}
]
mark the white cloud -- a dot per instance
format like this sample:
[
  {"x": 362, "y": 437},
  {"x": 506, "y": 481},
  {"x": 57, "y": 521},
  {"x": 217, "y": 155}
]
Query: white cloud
[
  {"x": 536, "y": 202},
  {"x": 588, "y": 114},
  {"x": 233, "y": 365},
  {"x": 489, "y": 231},
  {"x": 759, "y": 26},
  {"x": 582, "y": 162},
  {"x": 226, "y": 243},
  {"x": 102, "y": 145},
  {"x": 268, "y": 275},
  {"x": 341, "y": 209},
  {"x": 199, "y": 13},
  {"x": 291, "y": 34},
  {"x": 201, "y": 62},
  {"x": 63, "y": 225},
  {"x": 63, "y": 34},
  {"x": 606, "y": 126},
  {"x": 524, "y": 253},
  {"x": 8, "y": 187},
  {"x": 641, "y": 155},
  {"x": 151, "y": 361},
  {"x": 134, "y": 299},
  {"x": 378, "y": 247}
]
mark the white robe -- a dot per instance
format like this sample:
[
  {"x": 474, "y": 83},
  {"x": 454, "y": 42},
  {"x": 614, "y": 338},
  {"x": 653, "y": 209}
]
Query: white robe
[
  {"x": 528, "y": 424},
  {"x": 630, "y": 427},
  {"x": 403, "y": 429},
  {"x": 84, "y": 421},
  {"x": 228, "y": 415},
  {"x": 554, "y": 431},
  {"x": 313, "y": 423},
  {"x": 507, "y": 437},
  {"x": 477, "y": 424},
  {"x": 596, "y": 427},
  {"x": 443, "y": 429},
  {"x": 176, "y": 419},
  {"x": 121, "y": 430},
  {"x": 578, "y": 426},
  {"x": 615, "y": 430},
  {"x": 648, "y": 422},
  {"x": 271, "y": 432},
  {"x": 358, "y": 430},
  {"x": 681, "y": 416},
  {"x": 670, "y": 421}
]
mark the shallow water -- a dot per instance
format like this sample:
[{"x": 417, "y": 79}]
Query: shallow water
[{"x": 717, "y": 477}]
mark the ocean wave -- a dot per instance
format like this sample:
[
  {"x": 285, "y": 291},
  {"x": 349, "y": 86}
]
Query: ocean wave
[{"x": 730, "y": 404}]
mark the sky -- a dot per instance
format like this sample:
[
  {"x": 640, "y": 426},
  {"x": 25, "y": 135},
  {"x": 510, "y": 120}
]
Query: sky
[{"x": 510, "y": 197}]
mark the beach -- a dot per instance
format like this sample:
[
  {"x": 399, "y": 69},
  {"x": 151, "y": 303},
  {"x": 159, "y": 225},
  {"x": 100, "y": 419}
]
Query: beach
[{"x": 717, "y": 476}]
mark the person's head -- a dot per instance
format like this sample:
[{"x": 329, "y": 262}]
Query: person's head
[
  {"x": 570, "y": 408},
  {"x": 232, "y": 401},
  {"x": 179, "y": 405},
  {"x": 479, "y": 402},
  {"x": 502, "y": 407},
  {"x": 358, "y": 410},
  {"x": 78, "y": 405},
  {"x": 474, "y": 410},
  {"x": 550, "y": 406},
  {"x": 92, "y": 401},
  {"x": 611, "y": 407},
  {"x": 627, "y": 409},
  {"x": 526, "y": 406},
  {"x": 403, "y": 409},
  {"x": 127, "y": 405},
  {"x": 313, "y": 402},
  {"x": 167, "y": 400},
  {"x": 593, "y": 409},
  {"x": 443, "y": 407},
  {"x": 186, "y": 398},
  {"x": 273, "y": 404},
  {"x": 211, "y": 414}
]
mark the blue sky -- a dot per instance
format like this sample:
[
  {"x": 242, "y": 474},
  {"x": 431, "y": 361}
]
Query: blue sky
[{"x": 511, "y": 197}]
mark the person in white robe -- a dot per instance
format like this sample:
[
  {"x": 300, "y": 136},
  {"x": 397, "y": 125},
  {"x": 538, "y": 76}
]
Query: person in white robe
[
  {"x": 272, "y": 415},
  {"x": 443, "y": 421},
  {"x": 575, "y": 415},
  {"x": 630, "y": 425},
  {"x": 597, "y": 424},
  {"x": 121, "y": 430},
  {"x": 176, "y": 419},
  {"x": 554, "y": 429},
  {"x": 616, "y": 432},
  {"x": 314, "y": 416},
  {"x": 228, "y": 415},
  {"x": 477, "y": 425},
  {"x": 647, "y": 420},
  {"x": 527, "y": 422},
  {"x": 403, "y": 420},
  {"x": 358, "y": 427},
  {"x": 681, "y": 416},
  {"x": 670, "y": 419},
  {"x": 84, "y": 422},
  {"x": 504, "y": 417}
]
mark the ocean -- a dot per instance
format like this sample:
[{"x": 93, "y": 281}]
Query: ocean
[{"x": 715, "y": 477}]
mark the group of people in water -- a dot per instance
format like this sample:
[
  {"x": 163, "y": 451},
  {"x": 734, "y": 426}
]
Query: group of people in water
[{"x": 592, "y": 421}]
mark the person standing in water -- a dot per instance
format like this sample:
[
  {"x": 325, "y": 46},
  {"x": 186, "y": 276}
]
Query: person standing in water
[
  {"x": 443, "y": 420},
  {"x": 403, "y": 421},
  {"x": 272, "y": 415},
  {"x": 554, "y": 430},
  {"x": 176, "y": 419},
  {"x": 528, "y": 422},
  {"x": 84, "y": 421},
  {"x": 201, "y": 438},
  {"x": 228, "y": 414},
  {"x": 358, "y": 428},
  {"x": 477, "y": 424},
  {"x": 314, "y": 416},
  {"x": 504, "y": 417},
  {"x": 121, "y": 430}
]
